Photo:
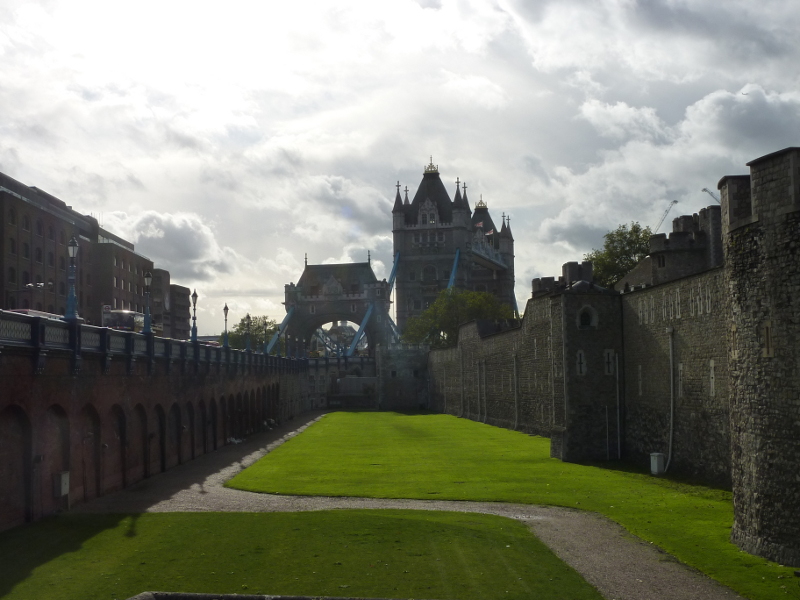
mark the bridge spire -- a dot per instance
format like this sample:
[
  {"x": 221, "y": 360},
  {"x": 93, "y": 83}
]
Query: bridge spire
[{"x": 306, "y": 259}]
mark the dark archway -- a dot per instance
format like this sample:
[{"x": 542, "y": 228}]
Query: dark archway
[
  {"x": 204, "y": 425},
  {"x": 91, "y": 453},
  {"x": 191, "y": 425},
  {"x": 56, "y": 443},
  {"x": 174, "y": 436},
  {"x": 116, "y": 462},
  {"x": 139, "y": 454},
  {"x": 214, "y": 423},
  {"x": 161, "y": 418},
  {"x": 16, "y": 505}
]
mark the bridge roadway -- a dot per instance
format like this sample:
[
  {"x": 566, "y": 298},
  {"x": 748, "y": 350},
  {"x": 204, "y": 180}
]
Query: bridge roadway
[{"x": 618, "y": 564}]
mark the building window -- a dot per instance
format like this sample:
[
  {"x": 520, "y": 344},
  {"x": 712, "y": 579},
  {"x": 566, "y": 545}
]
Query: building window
[
  {"x": 115, "y": 264},
  {"x": 768, "y": 349},
  {"x": 26, "y": 278},
  {"x": 26, "y": 223},
  {"x": 62, "y": 237},
  {"x": 51, "y": 233},
  {"x": 678, "y": 303},
  {"x": 38, "y": 255},
  {"x": 608, "y": 362},
  {"x": 712, "y": 391},
  {"x": 312, "y": 309},
  {"x": 639, "y": 376},
  {"x": 691, "y": 301},
  {"x": 423, "y": 218},
  {"x": 62, "y": 263},
  {"x": 708, "y": 299},
  {"x": 580, "y": 363},
  {"x": 353, "y": 307},
  {"x": 12, "y": 275},
  {"x": 429, "y": 273},
  {"x": 115, "y": 303},
  {"x": 51, "y": 259},
  {"x": 652, "y": 309},
  {"x": 26, "y": 250},
  {"x": 39, "y": 227},
  {"x": 61, "y": 288},
  {"x": 680, "y": 380},
  {"x": 662, "y": 261},
  {"x": 433, "y": 218},
  {"x": 115, "y": 282},
  {"x": 12, "y": 217},
  {"x": 12, "y": 245}
]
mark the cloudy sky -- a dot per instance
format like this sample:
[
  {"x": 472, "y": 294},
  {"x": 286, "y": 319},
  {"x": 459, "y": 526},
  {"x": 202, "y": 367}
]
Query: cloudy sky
[{"x": 227, "y": 139}]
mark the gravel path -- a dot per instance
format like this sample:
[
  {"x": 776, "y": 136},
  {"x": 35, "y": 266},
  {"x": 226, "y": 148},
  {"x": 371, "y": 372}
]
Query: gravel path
[{"x": 619, "y": 565}]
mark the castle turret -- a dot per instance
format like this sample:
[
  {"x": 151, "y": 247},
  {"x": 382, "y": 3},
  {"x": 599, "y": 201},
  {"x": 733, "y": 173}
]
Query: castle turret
[
  {"x": 398, "y": 214},
  {"x": 761, "y": 226}
]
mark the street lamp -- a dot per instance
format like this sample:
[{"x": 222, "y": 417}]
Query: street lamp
[
  {"x": 148, "y": 279},
  {"x": 225, "y": 335},
  {"x": 71, "y": 313},
  {"x": 247, "y": 321},
  {"x": 194, "y": 316}
]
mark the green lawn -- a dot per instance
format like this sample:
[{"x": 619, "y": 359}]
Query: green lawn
[
  {"x": 391, "y": 455},
  {"x": 380, "y": 553}
]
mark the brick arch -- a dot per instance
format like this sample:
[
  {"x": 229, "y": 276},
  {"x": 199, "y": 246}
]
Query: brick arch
[
  {"x": 231, "y": 418},
  {"x": 214, "y": 418},
  {"x": 190, "y": 425},
  {"x": 223, "y": 418},
  {"x": 116, "y": 462},
  {"x": 251, "y": 413},
  {"x": 203, "y": 423},
  {"x": 90, "y": 471},
  {"x": 16, "y": 505},
  {"x": 161, "y": 435},
  {"x": 139, "y": 449},
  {"x": 55, "y": 437},
  {"x": 174, "y": 436}
]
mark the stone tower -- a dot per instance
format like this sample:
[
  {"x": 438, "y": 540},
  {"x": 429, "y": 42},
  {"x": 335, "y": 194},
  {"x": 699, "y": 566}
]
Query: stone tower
[
  {"x": 431, "y": 230},
  {"x": 761, "y": 241}
]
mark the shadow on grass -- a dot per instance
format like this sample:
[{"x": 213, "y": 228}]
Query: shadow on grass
[
  {"x": 27, "y": 547},
  {"x": 667, "y": 479}
]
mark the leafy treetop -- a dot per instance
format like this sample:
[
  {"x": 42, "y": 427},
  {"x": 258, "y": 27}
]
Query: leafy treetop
[
  {"x": 237, "y": 334},
  {"x": 438, "y": 324},
  {"x": 624, "y": 247}
]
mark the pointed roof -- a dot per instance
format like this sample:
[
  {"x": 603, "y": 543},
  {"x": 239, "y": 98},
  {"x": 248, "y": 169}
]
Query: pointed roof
[
  {"x": 398, "y": 201},
  {"x": 431, "y": 188},
  {"x": 464, "y": 198},
  {"x": 505, "y": 232},
  {"x": 457, "y": 202},
  {"x": 481, "y": 215}
]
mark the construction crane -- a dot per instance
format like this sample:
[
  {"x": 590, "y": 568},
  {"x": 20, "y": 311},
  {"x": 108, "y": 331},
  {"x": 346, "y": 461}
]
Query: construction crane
[
  {"x": 710, "y": 193},
  {"x": 664, "y": 216}
]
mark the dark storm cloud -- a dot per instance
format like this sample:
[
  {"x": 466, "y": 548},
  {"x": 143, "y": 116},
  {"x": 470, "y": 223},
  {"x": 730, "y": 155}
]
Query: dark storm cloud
[{"x": 181, "y": 243}]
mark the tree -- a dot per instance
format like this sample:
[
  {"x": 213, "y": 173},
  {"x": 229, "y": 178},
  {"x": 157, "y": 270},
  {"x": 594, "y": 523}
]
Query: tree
[
  {"x": 438, "y": 325},
  {"x": 623, "y": 249},
  {"x": 238, "y": 334}
]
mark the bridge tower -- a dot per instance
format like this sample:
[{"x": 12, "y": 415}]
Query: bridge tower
[
  {"x": 338, "y": 292},
  {"x": 437, "y": 236}
]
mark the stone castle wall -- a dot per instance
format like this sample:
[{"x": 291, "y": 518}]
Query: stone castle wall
[
  {"x": 695, "y": 309},
  {"x": 762, "y": 276}
]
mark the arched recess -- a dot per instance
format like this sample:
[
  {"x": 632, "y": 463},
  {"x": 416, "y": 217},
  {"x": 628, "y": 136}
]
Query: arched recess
[
  {"x": 203, "y": 423},
  {"x": 240, "y": 416},
  {"x": 264, "y": 406},
  {"x": 232, "y": 425},
  {"x": 56, "y": 442},
  {"x": 91, "y": 453},
  {"x": 16, "y": 506},
  {"x": 161, "y": 419},
  {"x": 214, "y": 422},
  {"x": 259, "y": 411},
  {"x": 174, "y": 436},
  {"x": 190, "y": 424},
  {"x": 225, "y": 424},
  {"x": 139, "y": 447},
  {"x": 251, "y": 413},
  {"x": 116, "y": 459}
]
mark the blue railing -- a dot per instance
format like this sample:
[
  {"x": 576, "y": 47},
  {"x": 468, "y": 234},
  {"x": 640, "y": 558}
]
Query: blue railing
[{"x": 55, "y": 335}]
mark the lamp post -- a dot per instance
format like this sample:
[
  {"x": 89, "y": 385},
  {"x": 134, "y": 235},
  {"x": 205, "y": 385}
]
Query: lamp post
[
  {"x": 148, "y": 279},
  {"x": 265, "y": 336},
  {"x": 194, "y": 316},
  {"x": 225, "y": 335},
  {"x": 247, "y": 321},
  {"x": 71, "y": 313}
]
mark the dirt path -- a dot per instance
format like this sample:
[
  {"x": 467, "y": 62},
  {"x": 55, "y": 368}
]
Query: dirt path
[{"x": 619, "y": 565}]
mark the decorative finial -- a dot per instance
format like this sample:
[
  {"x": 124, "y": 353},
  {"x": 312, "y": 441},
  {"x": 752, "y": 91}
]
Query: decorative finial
[
  {"x": 464, "y": 187},
  {"x": 432, "y": 168},
  {"x": 457, "y": 182},
  {"x": 406, "y": 192},
  {"x": 306, "y": 258},
  {"x": 481, "y": 203},
  {"x": 369, "y": 258},
  {"x": 398, "y": 187}
]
